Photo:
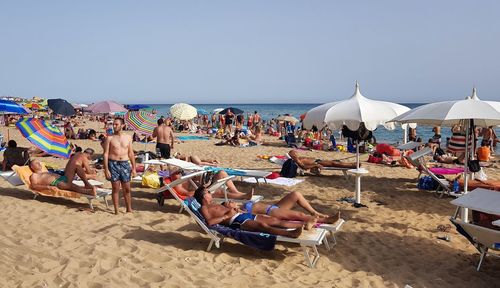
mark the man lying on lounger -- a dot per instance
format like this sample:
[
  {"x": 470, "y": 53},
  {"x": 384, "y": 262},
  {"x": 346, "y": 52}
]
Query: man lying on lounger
[
  {"x": 185, "y": 190},
  {"x": 315, "y": 165},
  {"x": 45, "y": 180},
  {"x": 283, "y": 210},
  {"x": 236, "y": 219}
]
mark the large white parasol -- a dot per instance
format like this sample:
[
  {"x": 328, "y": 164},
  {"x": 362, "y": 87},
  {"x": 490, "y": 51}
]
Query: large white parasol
[
  {"x": 352, "y": 112},
  {"x": 183, "y": 111},
  {"x": 448, "y": 113}
]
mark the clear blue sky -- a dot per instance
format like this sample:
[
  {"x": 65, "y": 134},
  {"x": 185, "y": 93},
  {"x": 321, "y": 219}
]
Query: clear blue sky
[{"x": 249, "y": 51}]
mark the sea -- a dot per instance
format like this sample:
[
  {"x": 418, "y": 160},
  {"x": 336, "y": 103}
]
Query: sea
[{"x": 270, "y": 111}]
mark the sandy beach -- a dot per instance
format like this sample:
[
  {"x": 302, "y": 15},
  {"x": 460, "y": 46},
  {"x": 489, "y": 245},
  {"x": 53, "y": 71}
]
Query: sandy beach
[{"x": 53, "y": 242}]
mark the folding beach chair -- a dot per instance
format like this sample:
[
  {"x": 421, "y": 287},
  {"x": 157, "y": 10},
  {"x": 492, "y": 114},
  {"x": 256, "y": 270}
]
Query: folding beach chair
[
  {"x": 484, "y": 239},
  {"x": 23, "y": 173},
  {"x": 309, "y": 240},
  {"x": 418, "y": 160},
  {"x": 219, "y": 184}
]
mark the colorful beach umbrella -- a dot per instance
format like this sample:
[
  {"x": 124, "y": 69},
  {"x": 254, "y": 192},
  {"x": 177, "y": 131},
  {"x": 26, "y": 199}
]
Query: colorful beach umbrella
[
  {"x": 11, "y": 107},
  {"x": 183, "y": 111},
  {"x": 44, "y": 136},
  {"x": 288, "y": 118},
  {"x": 141, "y": 121},
  {"x": 106, "y": 107},
  {"x": 34, "y": 106}
]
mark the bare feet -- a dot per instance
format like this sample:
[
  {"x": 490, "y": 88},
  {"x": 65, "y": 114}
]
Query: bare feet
[
  {"x": 333, "y": 219},
  {"x": 249, "y": 195},
  {"x": 310, "y": 224},
  {"x": 316, "y": 170},
  {"x": 295, "y": 233}
]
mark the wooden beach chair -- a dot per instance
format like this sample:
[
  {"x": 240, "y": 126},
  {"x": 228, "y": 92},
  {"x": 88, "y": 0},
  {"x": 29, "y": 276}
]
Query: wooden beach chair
[
  {"x": 24, "y": 172},
  {"x": 484, "y": 239}
]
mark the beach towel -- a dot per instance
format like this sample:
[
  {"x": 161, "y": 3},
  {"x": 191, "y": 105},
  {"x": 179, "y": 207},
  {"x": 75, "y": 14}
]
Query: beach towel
[
  {"x": 447, "y": 171},
  {"x": 24, "y": 172},
  {"x": 229, "y": 171},
  {"x": 262, "y": 241},
  {"x": 278, "y": 181},
  {"x": 192, "y": 137}
]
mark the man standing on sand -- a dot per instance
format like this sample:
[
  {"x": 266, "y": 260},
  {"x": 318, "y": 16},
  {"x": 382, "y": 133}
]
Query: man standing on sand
[
  {"x": 117, "y": 153},
  {"x": 164, "y": 135}
]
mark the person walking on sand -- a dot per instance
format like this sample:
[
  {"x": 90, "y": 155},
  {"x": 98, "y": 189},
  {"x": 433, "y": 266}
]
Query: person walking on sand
[
  {"x": 165, "y": 138},
  {"x": 117, "y": 153}
]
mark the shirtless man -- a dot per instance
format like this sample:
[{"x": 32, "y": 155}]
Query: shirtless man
[
  {"x": 46, "y": 181},
  {"x": 117, "y": 153},
  {"x": 185, "y": 190},
  {"x": 164, "y": 135},
  {"x": 79, "y": 164},
  {"x": 232, "y": 217},
  {"x": 315, "y": 165}
]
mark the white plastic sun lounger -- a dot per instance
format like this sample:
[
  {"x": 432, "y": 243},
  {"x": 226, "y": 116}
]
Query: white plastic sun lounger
[
  {"x": 484, "y": 239},
  {"x": 301, "y": 171},
  {"x": 221, "y": 183},
  {"x": 309, "y": 240},
  {"x": 417, "y": 159},
  {"x": 15, "y": 180},
  {"x": 193, "y": 167}
]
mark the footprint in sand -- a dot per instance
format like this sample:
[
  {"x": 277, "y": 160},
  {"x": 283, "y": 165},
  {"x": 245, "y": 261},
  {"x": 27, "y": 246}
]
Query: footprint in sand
[{"x": 150, "y": 276}]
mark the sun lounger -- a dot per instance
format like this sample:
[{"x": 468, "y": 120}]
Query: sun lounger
[
  {"x": 308, "y": 240},
  {"x": 410, "y": 145},
  {"x": 418, "y": 160},
  {"x": 236, "y": 172},
  {"x": 221, "y": 183},
  {"x": 24, "y": 173},
  {"x": 484, "y": 239},
  {"x": 281, "y": 161}
]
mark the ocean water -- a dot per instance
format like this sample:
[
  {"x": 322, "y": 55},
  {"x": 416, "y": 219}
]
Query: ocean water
[{"x": 269, "y": 111}]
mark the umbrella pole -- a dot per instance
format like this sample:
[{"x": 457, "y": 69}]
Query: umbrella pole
[
  {"x": 465, "y": 212},
  {"x": 405, "y": 134},
  {"x": 358, "y": 177}
]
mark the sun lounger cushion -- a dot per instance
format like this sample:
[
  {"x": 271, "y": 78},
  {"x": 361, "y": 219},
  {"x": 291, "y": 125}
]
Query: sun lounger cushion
[
  {"x": 229, "y": 171},
  {"x": 447, "y": 171},
  {"x": 257, "y": 240},
  {"x": 24, "y": 172}
]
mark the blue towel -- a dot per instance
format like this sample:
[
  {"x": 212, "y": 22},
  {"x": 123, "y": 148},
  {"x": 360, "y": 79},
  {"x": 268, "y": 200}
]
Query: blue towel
[
  {"x": 229, "y": 171},
  {"x": 192, "y": 137},
  {"x": 257, "y": 240}
]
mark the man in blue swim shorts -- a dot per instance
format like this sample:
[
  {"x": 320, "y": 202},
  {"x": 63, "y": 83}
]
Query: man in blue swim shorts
[
  {"x": 117, "y": 168},
  {"x": 236, "y": 219}
]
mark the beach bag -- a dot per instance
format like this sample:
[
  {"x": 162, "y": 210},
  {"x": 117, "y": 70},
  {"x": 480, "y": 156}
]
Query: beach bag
[
  {"x": 151, "y": 179},
  {"x": 427, "y": 183},
  {"x": 474, "y": 166},
  {"x": 289, "y": 169},
  {"x": 362, "y": 134}
]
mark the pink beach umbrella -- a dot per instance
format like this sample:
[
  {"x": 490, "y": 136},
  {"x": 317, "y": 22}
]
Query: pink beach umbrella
[{"x": 106, "y": 107}]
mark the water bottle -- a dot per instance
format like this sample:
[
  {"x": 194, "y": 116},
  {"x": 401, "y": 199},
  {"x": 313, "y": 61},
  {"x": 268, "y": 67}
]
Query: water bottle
[
  {"x": 456, "y": 187},
  {"x": 158, "y": 153}
]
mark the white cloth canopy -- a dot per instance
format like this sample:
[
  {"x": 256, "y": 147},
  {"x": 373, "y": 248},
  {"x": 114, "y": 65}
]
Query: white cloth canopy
[
  {"x": 352, "y": 112},
  {"x": 183, "y": 111},
  {"x": 448, "y": 113}
]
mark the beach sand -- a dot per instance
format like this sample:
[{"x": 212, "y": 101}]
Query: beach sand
[{"x": 53, "y": 242}]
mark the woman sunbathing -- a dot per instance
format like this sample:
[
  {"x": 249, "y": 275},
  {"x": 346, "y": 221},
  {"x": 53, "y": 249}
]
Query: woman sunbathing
[
  {"x": 283, "y": 210},
  {"x": 196, "y": 160},
  {"x": 236, "y": 219},
  {"x": 315, "y": 165},
  {"x": 185, "y": 190}
]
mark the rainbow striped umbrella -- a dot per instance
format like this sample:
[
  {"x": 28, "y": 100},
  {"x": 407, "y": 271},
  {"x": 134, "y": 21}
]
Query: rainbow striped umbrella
[
  {"x": 141, "y": 121},
  {"x": 44, "y": 136}
]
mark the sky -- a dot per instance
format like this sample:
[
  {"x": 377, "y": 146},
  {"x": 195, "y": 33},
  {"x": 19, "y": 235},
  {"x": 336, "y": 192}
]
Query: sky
[{"x": 249, "y": 51}]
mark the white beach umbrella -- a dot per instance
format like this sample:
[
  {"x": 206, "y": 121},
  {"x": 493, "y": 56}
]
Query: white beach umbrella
[
  {"x": 183, "y": 111},
  {"x": 352, "y": 112},
  {"x": 448, "y": 113},
  {"x": 216, "y": 111}
]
